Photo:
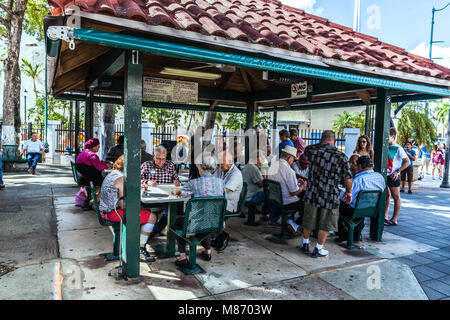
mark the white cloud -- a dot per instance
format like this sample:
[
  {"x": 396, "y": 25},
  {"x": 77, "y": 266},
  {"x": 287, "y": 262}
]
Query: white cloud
[
  {"x": 423, "y": 49},
  {"x": 307, "y": 5}
]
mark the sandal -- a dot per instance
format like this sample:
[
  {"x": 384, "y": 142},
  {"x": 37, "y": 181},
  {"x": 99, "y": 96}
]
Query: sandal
[
  {"x": 387, "y": 222},
  {"x": 393, "y": 223}
]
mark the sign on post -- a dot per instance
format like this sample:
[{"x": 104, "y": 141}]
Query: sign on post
[{"x": 156, "y": 89}]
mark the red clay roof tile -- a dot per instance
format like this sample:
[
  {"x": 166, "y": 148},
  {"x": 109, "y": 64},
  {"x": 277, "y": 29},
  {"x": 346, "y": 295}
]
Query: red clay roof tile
[{"x": 266, "y": 22}]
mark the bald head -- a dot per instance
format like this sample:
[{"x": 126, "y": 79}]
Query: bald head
[{"x": 328, "y": 137}]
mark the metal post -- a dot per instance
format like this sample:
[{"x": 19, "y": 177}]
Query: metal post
[
  {"x": 249, "y": 123},
  {"x": 89, "y": 116},
  {"x": 432, "y": 30},
  {"x": 382, "y": 126},
  {"x": 77, "y": 128},
  {"x": 445, "y": 183},
  {"x": 132, "y": 146}
]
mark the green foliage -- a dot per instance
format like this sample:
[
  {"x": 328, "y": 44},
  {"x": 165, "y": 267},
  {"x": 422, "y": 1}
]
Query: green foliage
[
  {"x": 237, "y": 121},
  {"x": 32, "y": 71},
  {"x": 441, "y": 113},
  {"x": 415, "y": 125},
  {"x": 53, "y": 105},
  {"x": 161, "y": 117},
  {"x": 349, "y": 120}
]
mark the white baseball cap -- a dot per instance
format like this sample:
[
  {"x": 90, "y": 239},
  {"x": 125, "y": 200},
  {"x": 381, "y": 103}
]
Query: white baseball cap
[{"x": 290, "y": 150}]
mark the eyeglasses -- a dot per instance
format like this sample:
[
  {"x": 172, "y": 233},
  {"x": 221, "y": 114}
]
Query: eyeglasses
[
  {"x": 362, "y": 141},
  {"x": 160, "y": 159}
]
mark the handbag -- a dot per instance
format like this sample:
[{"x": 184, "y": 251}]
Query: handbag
[{"x": 81, "y": 198}]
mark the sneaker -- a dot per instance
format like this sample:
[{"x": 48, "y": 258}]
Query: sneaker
[
  {"x": 440, "y": 178},
  {"x": 292, "y": 227},
  {"x": 409, "y": 191},
  {"x": 305, "y": 248},
  {"x": 433, "y": 178},
  {"x": 319, "y": 253},
  {"x": 2, "y": 186},
  {"x": 146, "y": 256},
  {"x": 33, "y": 171},
  {"x": 402, "y": 190},
  {"x": 30, "y": 170}
]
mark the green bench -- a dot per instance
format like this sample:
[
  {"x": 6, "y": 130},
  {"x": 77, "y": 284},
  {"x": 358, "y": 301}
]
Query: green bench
[
  {"x": 204, "y": 215},
  {"x": 115, "y": 226},
  {"x": 273, "y": 198},
  {"x": 11, "y": 154},
  {"x": 366, "y": 205}
]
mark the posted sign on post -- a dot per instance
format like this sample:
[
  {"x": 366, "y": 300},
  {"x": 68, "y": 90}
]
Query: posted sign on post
[
  {"x": 156, "y": 89},
  {"x": 299, "y": 90}
]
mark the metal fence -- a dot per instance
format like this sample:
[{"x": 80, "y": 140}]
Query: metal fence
[{"x": 26, "y": 130}]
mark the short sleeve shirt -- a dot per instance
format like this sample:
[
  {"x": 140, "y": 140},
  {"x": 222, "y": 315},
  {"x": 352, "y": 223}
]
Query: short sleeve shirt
[
  {"x": 328, "y": 167},
  {"x": 166, "y": 174},
  {"x": 281, "y": 172},
  {"x": 233, "y": 181},
  {"x": 251, "y": 175},
  {"x": 396, "y": 154},
  {"x": 410, "y": 159}
]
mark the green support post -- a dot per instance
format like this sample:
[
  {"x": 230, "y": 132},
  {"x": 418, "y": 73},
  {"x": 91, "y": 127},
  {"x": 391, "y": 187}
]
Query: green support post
[
  {"x": 89, "y": 116},
  {"x": 132, "y": 154},
  {"x": 381, "y": 143},
  {"x": 249, "y": 123}
]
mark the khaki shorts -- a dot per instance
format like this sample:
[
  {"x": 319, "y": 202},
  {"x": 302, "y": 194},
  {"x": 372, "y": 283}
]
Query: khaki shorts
[{"x": 320, "y": 219}]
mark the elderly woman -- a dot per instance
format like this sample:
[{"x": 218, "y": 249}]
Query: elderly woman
[
  {"x": 89, "y": 164},
  {"x": 112, "y": 189},
  {"x": 205, "y": 186}
]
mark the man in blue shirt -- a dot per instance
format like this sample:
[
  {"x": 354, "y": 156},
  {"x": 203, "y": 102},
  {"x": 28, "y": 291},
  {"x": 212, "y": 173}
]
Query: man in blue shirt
[
  {"x": 425, "y": 154},
  {"x": 364, "y": 180},
  {"x": 409, "y": 171},
  {"x": 285, "y": 140}
]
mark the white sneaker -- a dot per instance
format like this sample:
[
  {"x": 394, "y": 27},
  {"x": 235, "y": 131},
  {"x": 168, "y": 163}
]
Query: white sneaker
[
  {"x": 293, "y": 225},
  {"x": 319, "y": 253}
]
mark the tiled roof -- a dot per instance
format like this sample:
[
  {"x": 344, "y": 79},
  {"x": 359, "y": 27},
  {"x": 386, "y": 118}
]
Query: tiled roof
[{"x": 265, "y": 22}]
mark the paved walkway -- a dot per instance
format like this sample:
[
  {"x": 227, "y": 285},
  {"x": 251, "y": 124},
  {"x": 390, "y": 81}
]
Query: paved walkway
[{"x": 57, "y": 252}]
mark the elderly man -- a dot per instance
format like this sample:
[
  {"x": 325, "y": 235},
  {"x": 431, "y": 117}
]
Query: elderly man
[
  {"x": 282, "y": 172},
  {"x": 115, "y": 151},
  {"x": 354, "y": 163},
  {"x": 232, "y": 178},
  {"x": 34, "y": 149},
  {"x": 328, "y": 167},
  {"x": 205, "y": 186},
  {"x": 365, "y": 179},
  {"x": 159, "y": 171},
  {"x": 252, "y": 175}
]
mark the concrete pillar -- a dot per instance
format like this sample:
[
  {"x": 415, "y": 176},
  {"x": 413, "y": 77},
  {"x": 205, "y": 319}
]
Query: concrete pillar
[
  {"x": 147, "y": 135},
  {"x": 52, "y": 140},
  {"x": 351, "y": 139}
]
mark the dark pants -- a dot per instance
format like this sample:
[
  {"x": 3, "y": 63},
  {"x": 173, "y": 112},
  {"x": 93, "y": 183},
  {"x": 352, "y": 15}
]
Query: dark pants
[
  {"x": 179, "y": 223},
  {"x": 297, "y": 206},
  {"x": 347, "y": 211},
  {"x": 89, "y": 173},
  {"x": 33, "y": 158}
]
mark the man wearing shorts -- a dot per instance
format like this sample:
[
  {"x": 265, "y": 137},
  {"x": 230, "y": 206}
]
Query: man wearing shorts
[
  {"x": 397, "y": 161},
  {"x": 329, "y": 168},
  {"x": 408, "y": 172}
]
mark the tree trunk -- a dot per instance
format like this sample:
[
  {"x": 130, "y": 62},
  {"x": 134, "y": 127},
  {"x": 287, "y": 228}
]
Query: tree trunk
[
  {"x": 11, "y": 91},
  {"x": 107, "y": 138},
  {"x": 210, "y": 120}
]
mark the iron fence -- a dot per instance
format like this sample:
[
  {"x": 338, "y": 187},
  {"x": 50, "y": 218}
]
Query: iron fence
[{"x": 26, "y": 130}]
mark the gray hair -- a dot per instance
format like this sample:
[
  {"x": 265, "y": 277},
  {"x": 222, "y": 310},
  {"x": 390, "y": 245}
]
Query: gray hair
[
  {"x": 285, "y": 155},
  {"x": 208, "y": 164},
  {"x": 160, "y": 149}
]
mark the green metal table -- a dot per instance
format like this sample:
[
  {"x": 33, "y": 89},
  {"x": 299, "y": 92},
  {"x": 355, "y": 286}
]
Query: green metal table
[{"x": 166, "y": 250}]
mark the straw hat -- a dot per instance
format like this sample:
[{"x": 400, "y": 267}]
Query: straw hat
[{"x": 290, "y": 150}]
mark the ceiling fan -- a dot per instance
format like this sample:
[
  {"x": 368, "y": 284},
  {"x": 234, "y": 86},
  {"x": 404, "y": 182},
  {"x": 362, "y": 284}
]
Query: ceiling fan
[{"x": 222, "y": 67}]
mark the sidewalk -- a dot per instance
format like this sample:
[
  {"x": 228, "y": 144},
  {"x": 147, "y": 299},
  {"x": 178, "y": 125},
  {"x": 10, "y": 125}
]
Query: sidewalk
[{"x": 57, "y": 250}]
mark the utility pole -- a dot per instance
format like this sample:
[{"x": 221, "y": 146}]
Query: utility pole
[{"x": 357, "y": 16}]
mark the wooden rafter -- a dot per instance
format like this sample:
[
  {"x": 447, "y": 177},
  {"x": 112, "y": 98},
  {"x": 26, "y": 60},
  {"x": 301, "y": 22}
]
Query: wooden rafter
[
  {"x": 246, "y": 80},
  {"x": 364, "y": 96}
]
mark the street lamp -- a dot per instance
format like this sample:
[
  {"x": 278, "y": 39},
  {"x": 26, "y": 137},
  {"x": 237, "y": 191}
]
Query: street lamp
[
  {"x": 25, "y": 100},
  {"x": 432, "y": 29}
]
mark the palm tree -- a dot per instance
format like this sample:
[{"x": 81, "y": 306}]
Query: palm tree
[
  {"x": 32, "y": 71},
  {"x": 441, "y": 113},
  {"x": 415, "y": 125},
  {"x": 349, "y": 120}
]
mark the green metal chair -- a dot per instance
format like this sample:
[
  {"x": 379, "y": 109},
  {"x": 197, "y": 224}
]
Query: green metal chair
[
  {"x": 367, "y": 204},
  {"x": 115, "y": 225},
  {"x": 241, "y": 202},
  {"x": 11, "y": 154},
  {"x": 204, "y": 215},
  {"x": 273, "y": 198}
]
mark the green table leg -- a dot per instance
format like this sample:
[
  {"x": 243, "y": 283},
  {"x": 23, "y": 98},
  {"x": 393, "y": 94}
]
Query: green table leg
[{"x": 167, "y": 250}]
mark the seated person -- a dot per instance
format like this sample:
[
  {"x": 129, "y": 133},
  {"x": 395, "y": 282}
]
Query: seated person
[
  {"x": 252, "y": 175},
  {"x": 365, "y": 179},
  {"x": 285, "y": 141},
  {"x": 89, "y": 165},
  {"x": 205, "y": 186},
  {"x": 301, "y": 167},
  {"x": 34, "y": 149},
  {"x": 232, "y": 177},
  {"x": 145, "y": 156},
  {"x": 112, "y": 189},
  {"x": 282, "y": 172},
  {"x": 159, "y": 171},
  {"x": 353, "y": 163},
  {"x": 115, "y": 151}
]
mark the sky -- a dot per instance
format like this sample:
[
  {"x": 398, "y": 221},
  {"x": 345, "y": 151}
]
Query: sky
[{"x": 404, "y": 23}]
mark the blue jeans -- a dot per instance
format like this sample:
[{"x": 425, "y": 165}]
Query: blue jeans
[
  {"x": 1, "y": 170},
  {"x": 259, "y": 199},
  {"x": 162, "y": 223},
  {"x": 33, "y": 159}
]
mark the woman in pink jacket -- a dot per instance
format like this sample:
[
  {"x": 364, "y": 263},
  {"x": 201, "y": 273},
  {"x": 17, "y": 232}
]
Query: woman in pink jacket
[{"x": 89, "y": 165}]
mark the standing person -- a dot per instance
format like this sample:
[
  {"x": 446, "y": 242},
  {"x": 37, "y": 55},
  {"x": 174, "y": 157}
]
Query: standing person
[
  {"x": 328, "y": 168},
  {"x": 298, "y": 142},
  {"x": 425, "y": 154},
  {"x": 285, "y": 140},
  {"x": 397, "y": 161},
  {"x": 34, "y": 150},
  {"x": 409, "y": 171},
  {"x": 115, "y": 151},
  {"x": 437, "y": 157},
  {"x": 364, "y": 147},
  {"x": 2, "y": 185},
  {"x": 443, "y": 146}
]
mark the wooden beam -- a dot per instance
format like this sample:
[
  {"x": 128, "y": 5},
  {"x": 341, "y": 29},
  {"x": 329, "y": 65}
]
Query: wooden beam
[
  {"x": 257, "y": 77},
  {"x": 287, "y": 105},
  {"x": 213, "y": 105},
  {"x": 70, "y": 80},
  {"x": 108, "y": 65},
  {"x": 364, "y": 96},
  {"x": 246, "y": 81}
]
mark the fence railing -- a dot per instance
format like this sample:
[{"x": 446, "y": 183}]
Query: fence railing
[{"x": 27, "y": 129}]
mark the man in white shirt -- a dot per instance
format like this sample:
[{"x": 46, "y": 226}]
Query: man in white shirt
[
  {"x": 397, "y": 161},
  {"x": 282, "y": 172},
  {"x": 34, "y": 150}
]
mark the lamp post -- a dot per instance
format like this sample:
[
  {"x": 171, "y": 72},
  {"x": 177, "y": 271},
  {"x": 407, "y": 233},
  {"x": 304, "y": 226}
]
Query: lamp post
[
  {"x": 432, "y": 29},
  {"x": 25, "y": 102}
]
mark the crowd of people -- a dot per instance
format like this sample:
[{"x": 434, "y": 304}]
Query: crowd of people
[{"x": 319, "y": 182}]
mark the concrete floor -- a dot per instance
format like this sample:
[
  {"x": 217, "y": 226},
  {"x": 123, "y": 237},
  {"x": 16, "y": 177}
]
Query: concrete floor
[{"x": 57, "y": 250}]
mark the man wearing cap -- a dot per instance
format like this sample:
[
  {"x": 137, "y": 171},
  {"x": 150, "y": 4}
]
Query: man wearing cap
[
  {"x": 115, "y": 151},
  {"x": 329, "y": 167},
  {"x": 365, "y": 179},
  {"x": 34, "y": 150},
  {"x": 298, "y": 142},
  {"x": 89, "y": 164},
  {"x": 282, "y": 172}
]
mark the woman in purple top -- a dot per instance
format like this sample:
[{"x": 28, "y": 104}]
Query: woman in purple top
[{"x": 89, "y": 164}]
